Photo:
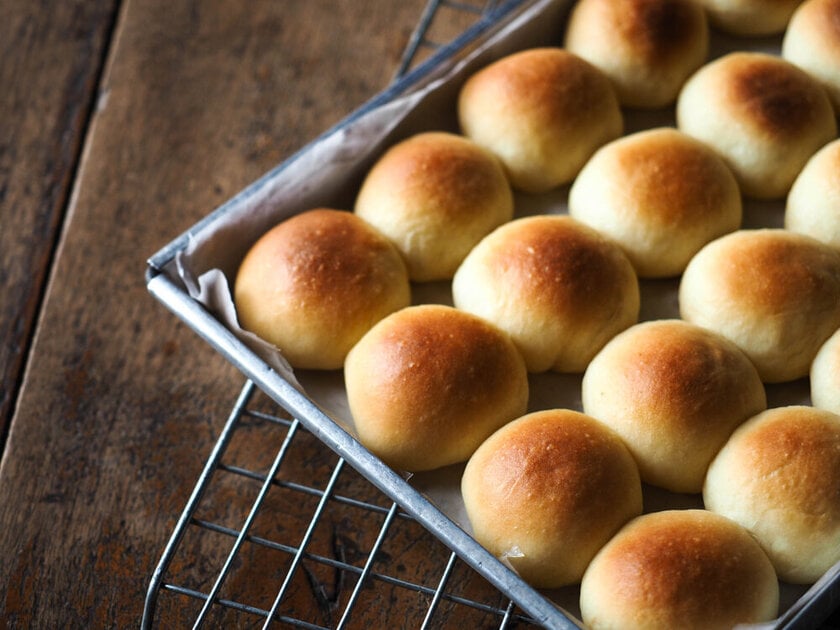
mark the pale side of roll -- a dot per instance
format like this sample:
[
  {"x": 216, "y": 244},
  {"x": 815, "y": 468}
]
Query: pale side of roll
[
  {"x": 547, "y": 491},
  {"x": 647, "y": 48},
  {"x": 762, "y": 114},
  {"x": 556, "y": 286},
  {"x": 825, "y": 375},
  {"x": 661, "y": 195},
  {"x": 813, "y": 205},
  {"x": 812, "y": 42},
  {"x": 779, "y": 476},
  {"x": 679, "y": 569},
  {"x": 429, "y": 383},
  {"x": 543, "y": 112},
  {"x": 674, "y": 392},
  {"x": 435, "y": 195},
  {"x": 315, "y": 283},
  {"x": 750, "y": 17},
  {"x": 774, "y": 293}
]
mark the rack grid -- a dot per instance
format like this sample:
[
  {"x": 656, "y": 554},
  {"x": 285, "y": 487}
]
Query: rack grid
[{"x": 233, "y": 560}]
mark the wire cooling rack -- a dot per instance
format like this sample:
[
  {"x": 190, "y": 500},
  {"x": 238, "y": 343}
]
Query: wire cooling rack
[{"x": 238, "y": 557}]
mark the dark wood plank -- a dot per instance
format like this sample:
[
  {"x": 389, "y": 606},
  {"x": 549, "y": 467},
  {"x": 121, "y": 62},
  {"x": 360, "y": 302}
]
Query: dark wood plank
[
  {"x": 50, "y": 58},
  {"x": 122, "y": 404}
]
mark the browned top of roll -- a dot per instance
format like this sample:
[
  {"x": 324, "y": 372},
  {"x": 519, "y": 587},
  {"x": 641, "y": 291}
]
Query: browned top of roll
[
  {"x": 562, "y": 265},
  {"x": 768, "y": 270},
  {"x": 673, "y": 177},
  {"x": 438, "y": 358},
  {"x": 685, "y": 553},
  {"x": 576, "y": 466},
  {"x": 690, "y": 377},
  {"x": 680, "y": 568},
  {"x": 789, "y": 453},
  {"x": 444, "y": 173},
  {"x": 299, "y": 255},
  {"x": 655, "y": 31},
  {"x": 559, "y": 85},
  {"x": 774, "y": 96}
]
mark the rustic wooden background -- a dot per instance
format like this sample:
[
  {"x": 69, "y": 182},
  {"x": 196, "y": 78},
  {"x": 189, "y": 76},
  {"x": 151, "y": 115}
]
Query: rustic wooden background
[{"x": 122, "y": 123}]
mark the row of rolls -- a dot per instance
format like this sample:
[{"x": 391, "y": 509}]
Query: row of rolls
[{"x": 678, "y": 403}]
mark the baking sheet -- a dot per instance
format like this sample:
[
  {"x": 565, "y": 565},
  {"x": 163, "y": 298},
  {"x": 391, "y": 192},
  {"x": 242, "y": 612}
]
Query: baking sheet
[{"x": 328, "y": 174}]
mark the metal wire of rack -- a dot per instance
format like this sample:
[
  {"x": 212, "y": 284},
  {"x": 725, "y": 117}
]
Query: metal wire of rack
[{"x": 229, "y": 561}]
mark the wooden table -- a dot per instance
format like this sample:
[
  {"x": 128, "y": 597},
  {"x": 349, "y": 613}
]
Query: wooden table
[{"x": 121, "y": 125}]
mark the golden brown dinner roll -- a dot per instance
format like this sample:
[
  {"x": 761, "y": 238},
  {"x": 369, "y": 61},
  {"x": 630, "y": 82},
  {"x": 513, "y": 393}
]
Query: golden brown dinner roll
[
  {"x": 547, "y": 491},
  {"x": 661, "y": 195},
  {"x": 674, "y": 392},
  {"x": 779, "y": 476},
  {"x": 647, "y": 48},
  {"x": 813, "y": 204},
  {"x": 776, "y": 294},
  {"x": 679, "y": 569},
  {"x": 762, "y": 114},
  {"x": 315, "y": 283},
  {"x": 812, "y": 42},
  {"x": 429, "y": 383},
  {"x": 750, "y": 17},
  {"x": 825, "y": 375},
  {"x": 543, "y": 112},
  {"x": 435, "y": 195},
  {"x": 556, "y": 286}
]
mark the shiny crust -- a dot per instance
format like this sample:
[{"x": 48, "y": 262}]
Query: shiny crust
[
  {"x": 779, "y": 476},
  {"x": 315, "y": 283},
  {"x": 774, "y": 293},
  {"x": 547, "y": 491},
  {"x": 674, "y": 392},
  {"x": 435, "y": 195},
  {"x": 679, "y": 568},
  {"x": 559, "y": 288},
  {"x": 762, "y": 114},
  {"x": 661, "y": 195},
  {"x": 429, "y": 383},
  {"x": 647, "y": 47},
  {"x": 543, "y": 112}
]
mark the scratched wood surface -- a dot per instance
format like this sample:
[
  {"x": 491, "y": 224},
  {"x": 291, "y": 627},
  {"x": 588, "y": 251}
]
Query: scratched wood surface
[{"x": 122, "y": 123}]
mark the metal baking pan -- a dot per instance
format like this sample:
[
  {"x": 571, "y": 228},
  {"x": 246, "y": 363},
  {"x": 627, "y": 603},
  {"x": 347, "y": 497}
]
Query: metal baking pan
[{"x": 189, "y": 276}]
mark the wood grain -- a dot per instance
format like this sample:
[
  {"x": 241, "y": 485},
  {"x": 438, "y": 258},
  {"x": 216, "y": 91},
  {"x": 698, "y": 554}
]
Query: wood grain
[
  {"x": 50, "y": 58},
  {"x": 121, "y": 404}
]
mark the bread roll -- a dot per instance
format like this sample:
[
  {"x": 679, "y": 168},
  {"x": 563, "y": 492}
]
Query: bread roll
[
  {"x": 315, "y": 283},
  {"x": 543, "y": 112},
  {"x": 813, "y": 205},
  {"x": 762, "y": 114},
  {"x": 556, "y": 286},
  {"x": 435, "y": 195},
  {"x": 647, "y": 48},
  {"x": 679, "y": 569},
  {"x": 661, "y": 195},
  {"x": 779, "y": 476},
  {"x": 429, "y": 383},
  {"x": 825, "y": 375},
  {"x": 750, "y": 17},
  {"x": 547, "y": 491},
  {"x": 674, "y": 392},
  {"x": 774, "y": 293},
  {"x": 812, "y": 42}
]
